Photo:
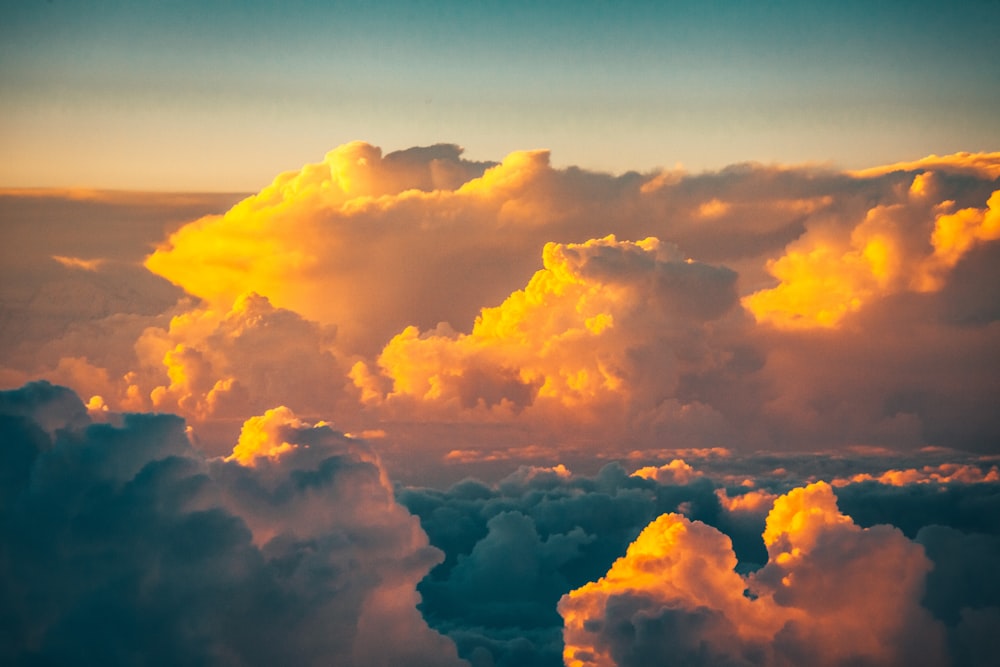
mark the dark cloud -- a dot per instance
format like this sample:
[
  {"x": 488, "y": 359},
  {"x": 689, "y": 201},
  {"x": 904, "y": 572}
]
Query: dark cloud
[
  {"x": 123, "y": 545},
  {"x": 512, "y": 544}
]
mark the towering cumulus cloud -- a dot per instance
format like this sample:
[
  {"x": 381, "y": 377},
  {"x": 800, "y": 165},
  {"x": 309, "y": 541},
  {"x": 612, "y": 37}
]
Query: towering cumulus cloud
[
  {"x": 517, "y": 304},
  {"x": 123, "y": 545},
  {"x": 831, "y": 594},
  {"x": 907, "y": 246},
  {"x": 601, "y": 335}
]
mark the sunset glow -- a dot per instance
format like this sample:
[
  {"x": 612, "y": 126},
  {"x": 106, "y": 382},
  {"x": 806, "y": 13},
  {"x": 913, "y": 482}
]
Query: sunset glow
[{"x": 443, "y": 334}]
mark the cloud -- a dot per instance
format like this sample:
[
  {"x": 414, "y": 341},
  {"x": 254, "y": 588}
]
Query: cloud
[
  {"x": 676, "y": 594},
  {"x": 123, "y": 544},
  {"x": 401, "y": 296},
  {"x": 826, "y": 275},
  {"x": 598, "y": 336},
  {"x": 329, "y": 240},
  {"x": 78, "y": 263},
  {"x": 983, "y": 165},
  {"x": 378, "y": 224},
  {"x": 943, "y": 474},
  {"x": 216, "y": 367},
  {"x": 675, "y": 472},
  {"x": 821, "y": 309},
  {"x": 298, "y": 548}
]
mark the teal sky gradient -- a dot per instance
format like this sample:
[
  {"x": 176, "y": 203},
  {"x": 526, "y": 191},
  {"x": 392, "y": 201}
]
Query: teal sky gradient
[{"x": 223, "y": 95}]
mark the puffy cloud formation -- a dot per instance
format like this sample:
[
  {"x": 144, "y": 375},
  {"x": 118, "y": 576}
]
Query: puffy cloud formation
[
  {"x": 943, "y": 473},
  {"x": 908, "y": 246},
  {"x": 235, "y": 362},
  {"x": 218, "y": 367},
  {"x": 871, "y": 290},
  {"x": 403, "y": 292},
  {"x": 331, "y": 240},
  {"x": 605, "y": 327},
  {"x": 123, "y": 545},
  {"x": 120, "y": 539},
  {"x": 675, "y": 595},
  {"x": 374, "y": 243},
  {"x": 675, "y": 472},
  {"x": 565, "y": 529}
]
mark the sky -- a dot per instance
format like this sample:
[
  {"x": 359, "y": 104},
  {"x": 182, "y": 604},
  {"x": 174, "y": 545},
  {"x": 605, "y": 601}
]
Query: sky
[
  {"x": 218, "y": 96},
  {"x": 593, "y": 335}
]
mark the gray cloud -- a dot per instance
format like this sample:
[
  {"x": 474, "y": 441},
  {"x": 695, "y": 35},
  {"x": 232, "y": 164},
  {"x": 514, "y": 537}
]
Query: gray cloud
[{"x": 123, "y": 545}]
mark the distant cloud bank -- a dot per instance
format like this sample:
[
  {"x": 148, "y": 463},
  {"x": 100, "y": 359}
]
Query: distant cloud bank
[
  {"x": 517, "y": 304},
  {"x": 126, "y": 544}
]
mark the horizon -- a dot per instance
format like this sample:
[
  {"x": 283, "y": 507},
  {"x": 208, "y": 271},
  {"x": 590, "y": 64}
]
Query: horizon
[{"x": 188, "y": 97}]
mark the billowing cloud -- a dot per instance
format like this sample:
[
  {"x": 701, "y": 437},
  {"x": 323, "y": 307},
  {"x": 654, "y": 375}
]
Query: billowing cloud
[
  {"x": 403, "y": 293},
  {"x": 675, "y": 595},
  {"x": 601, "y": 335},
  {"x": 125, "y": 545},
  {"x": 943, "y": 473},
  {"x": 600, "y": 514},
  {"x": 217, "y": 368},
  {"x": 374, "y": 243},
  {"x": 675, "y": 472},
  {"x": 828, "y": 274},
  {"x": 299, "y": 548}
]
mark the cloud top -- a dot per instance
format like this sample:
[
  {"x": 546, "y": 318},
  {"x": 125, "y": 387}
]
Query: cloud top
[{"x": 675, "y": 594}]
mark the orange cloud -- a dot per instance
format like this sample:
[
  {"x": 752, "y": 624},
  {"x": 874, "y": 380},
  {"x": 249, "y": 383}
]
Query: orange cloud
[
  {"x": 675, "y": 594},
  {"x": 370, "y": 270},
  {"x": 262, "y": 436},
  {"x": 675, "y": 472},
  {"x": 984, "y": 165},
  {"x": 751, "y": 502},
  {"x": 373, "y": 243},
  {"x": 601, "y": 324},
  {"x": 336, "y": 241},
  {"x": 831, "y": 272},
  {"x": 944, "y": 473},
  {"x": 223, "y": 365},
  {"x": 78, "y": 263}
]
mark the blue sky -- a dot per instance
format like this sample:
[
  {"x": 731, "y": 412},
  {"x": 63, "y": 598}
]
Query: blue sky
[{"x": 221, "y": 96}]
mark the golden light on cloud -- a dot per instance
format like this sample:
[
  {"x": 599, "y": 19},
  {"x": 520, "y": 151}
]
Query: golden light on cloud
[
  {"x": 563, "y": 347},
  {"x": 944, "y": 473},
  {"x": 680, "y": 574},
  {"x": 78, "y": 263},
  {"x": 675, "y": 472},
  {"x": 829, "y": 274},
  {"x": 262, "y": 436},
  {"x": 981, "y": 164}
]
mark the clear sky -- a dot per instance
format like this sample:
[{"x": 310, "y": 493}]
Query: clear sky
[{"x": 222, "y": 95}]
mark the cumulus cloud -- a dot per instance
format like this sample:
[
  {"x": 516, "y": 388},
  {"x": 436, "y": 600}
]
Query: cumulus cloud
[
  {"x": 218, "y": 367},
  {"x": 675, "y": 595},
  {"x": 943, "y": 473},
  {"x": 822, "y": 308},
  {"x": 599, "y": 336},
  {"x": 299, "y": 548},
  {"x": 124, "y": 545},
  {"x": 828, "y": 274},
  {"x": 675, "y": 321},
  {"x": 675, "y": 472},
  {"x": 357, "y": 240}
]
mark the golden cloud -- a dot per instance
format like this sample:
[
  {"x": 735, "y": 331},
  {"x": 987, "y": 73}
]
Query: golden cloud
[
  {"x": 599, "y": 325},
  {"x": 826, "y": 578},
  {"x": 828, "y": 274}
]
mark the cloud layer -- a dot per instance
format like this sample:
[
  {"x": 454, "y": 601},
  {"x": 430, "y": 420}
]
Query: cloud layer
[
  {"x": 124, "y": 545},
  {"x": 676, "y": 594},
  {"x": 123, "y": 541},
  {"x": 516, "y": 304}
]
